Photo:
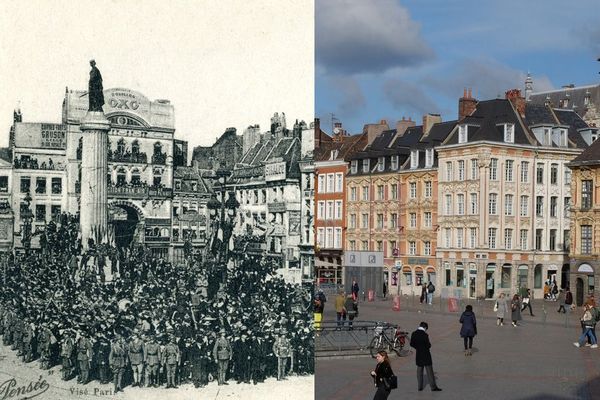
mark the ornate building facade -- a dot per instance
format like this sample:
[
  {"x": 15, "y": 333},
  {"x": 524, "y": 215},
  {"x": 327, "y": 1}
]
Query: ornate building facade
[
  {"x": 504, "y": 195},
  {"x": 585, "y": 221}
]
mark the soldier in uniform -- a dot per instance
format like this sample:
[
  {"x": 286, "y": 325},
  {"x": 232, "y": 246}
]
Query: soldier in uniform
[
  {"x": 117, "y": 360},
  {"x": 66, "y": 354},
  {"x": 170, "y": 359},
  {"x": 152, "y": 361},
  {"x": 281, "y": 349},
  {"x": 84, "y": 357},
  {"x": 103, "y": 357},
  {"x": 28, "y": 342},
  {"x": 44, "y": 346},
  {"x": 136, "y": 358},
  {"x": 222, "y": 354}
]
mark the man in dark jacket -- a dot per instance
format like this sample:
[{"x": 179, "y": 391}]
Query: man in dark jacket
[{"x": 419, "y": 340}]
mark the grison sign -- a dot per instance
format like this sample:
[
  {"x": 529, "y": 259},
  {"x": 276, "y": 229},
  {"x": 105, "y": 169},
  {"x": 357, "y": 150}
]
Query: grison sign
[{"x": 41, "y": 135}]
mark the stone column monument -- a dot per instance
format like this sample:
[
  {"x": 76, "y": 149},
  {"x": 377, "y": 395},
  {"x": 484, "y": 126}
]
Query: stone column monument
[{"x": 94, "y": 164}]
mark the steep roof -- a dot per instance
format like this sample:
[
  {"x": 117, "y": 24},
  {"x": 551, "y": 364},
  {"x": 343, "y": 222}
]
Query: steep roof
[
  {"x": 576, "y": 96},
  {"x": 590, "y": 156},
  {"x": 574, "y": 121},
  {"x": 345, "y": 147}
]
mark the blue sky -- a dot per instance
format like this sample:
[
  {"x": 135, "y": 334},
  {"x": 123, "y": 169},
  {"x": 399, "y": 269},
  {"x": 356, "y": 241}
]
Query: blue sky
[{"x": 388, "y": 59}]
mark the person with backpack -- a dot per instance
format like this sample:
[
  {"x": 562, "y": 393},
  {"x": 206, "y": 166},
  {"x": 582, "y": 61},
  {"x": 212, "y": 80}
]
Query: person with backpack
[
  {"x": 351, "y": 308},
  {"x": 561, "y": 301},
  {"x": 468, "y": 329},
  {"x": 430, "y": 290},
  {"x": 383, "y": 376}
]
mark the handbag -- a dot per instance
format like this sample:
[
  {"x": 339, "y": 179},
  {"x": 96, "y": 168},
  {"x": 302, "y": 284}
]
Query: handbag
[
  {"x": 390, "y": 382},
  {"x": 496, "y": 307}
]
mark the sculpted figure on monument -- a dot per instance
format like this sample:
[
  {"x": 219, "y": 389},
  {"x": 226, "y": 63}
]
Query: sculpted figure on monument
[{"x": 95, "y": 89}]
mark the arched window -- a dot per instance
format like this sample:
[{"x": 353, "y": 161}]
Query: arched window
[
  {"x": 135, "y": 177},
  {"x": 121, "y": 146},
  {"x": 121, "y": 177},
  {"x": 157, "y": 148}
]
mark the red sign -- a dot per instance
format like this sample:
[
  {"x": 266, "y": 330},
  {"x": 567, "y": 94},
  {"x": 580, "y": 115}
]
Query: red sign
[
  {"x": 452, "y": 305},
  {"x": 396, "y": 306}
]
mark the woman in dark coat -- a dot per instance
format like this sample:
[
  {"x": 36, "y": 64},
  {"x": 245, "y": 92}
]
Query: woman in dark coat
[
  {"x": 468, "y": 329},
  {"x": 515, "y": 307},
  {"x": 382, "y": 370}
]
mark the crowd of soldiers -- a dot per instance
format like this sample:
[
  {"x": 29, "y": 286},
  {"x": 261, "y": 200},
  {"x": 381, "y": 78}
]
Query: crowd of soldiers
[{"x": 152, "y": 323}]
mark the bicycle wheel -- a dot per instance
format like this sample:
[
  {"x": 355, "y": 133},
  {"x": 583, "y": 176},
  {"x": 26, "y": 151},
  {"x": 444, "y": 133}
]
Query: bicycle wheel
[{"x": 376, "y": 345}]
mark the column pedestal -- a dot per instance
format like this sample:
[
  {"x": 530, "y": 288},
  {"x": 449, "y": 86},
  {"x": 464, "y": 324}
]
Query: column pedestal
[{"x": 94, "y": 168}]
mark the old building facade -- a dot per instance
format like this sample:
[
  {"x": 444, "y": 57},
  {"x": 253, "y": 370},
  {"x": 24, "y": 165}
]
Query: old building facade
[
  {"x": 504, "y": 194},
  {"x": 585, "y": 221}
]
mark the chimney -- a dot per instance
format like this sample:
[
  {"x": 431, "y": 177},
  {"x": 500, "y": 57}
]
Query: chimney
[
  {"x": 466, "y": 104},
  {"x": 518, "y": 101},
  {"x": 374, "y": 130},
  {"x": 403, "y": 125},
  {"x": 428, "y": 121}
]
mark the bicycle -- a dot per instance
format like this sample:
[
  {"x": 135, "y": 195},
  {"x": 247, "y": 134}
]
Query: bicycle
[{"x": 381, "y": 341}]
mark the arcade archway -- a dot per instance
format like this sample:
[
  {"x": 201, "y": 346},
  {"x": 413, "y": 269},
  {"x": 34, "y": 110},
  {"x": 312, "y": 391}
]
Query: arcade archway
[{"x": 125, "y": 219}]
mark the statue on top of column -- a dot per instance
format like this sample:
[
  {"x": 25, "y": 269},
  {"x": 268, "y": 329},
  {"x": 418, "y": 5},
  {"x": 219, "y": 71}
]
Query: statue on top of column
[{"x": 95, "y": 94}]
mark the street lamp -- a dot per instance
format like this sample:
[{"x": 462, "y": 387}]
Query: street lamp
[{"x": 27, "y": 218}]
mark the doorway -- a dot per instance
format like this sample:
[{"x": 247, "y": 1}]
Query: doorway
[
  {"x": 489, "y": 282},
  {"x": 579, "y": 292}
]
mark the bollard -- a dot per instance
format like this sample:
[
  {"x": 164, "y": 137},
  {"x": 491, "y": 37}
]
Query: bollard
[
  {"x": 452, "y": 305},
  {"x": 396, "y": 306},
  {"x": 371, "y": 295}
]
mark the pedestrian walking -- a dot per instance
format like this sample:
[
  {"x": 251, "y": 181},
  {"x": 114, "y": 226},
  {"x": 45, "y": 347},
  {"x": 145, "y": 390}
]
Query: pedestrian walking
[
  {"x": 423, "y": 293},
  {"x": 468, "y": 329},
  {"x": 554, "y": 291},
  {"x": 355, "y": 289},
  {"x": 501, "y": 309},
  {"x": 527, "y": 297},
  {"x": 340, "y": 313},
  {"x": 568, "y": 299},
  {"x": 561, "y": 301},
  {"x": 318, "y": 313},
  {"x": 419, "y": 340},
  {"x": 515, "y": 308},
  {"x": 351, "y": 308},
  {"x": 587, "y": 323},
  {"x": 430, "y": 290},
  {"x": 384, "y": 289},
  {"x": 382, "y": 374}
]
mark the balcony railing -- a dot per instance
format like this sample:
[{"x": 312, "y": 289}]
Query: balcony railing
[
  {"x": 157, "y": 239},
  {"x": 128, "y": 157}
]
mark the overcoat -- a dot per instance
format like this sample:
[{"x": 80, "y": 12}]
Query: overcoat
[{"x": 419, "y": 340}]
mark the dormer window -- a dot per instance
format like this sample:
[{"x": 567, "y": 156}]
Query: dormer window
[
  {"x": 353, "y": 166},
  {"x": 394, "y": 163},
  {"x": 366, "y": 165},
  {"x": 462, "y": 134},
  {"x": 594, "y": 136},
  {"x": 547, "y": 137},
  {"x": 509, "y": 133},
  {"x": 381, "y": 164},
  {"x": 428, "y": 158},
  {"x": 334, "y": 154},
  {"x": 414, "y": 159}
]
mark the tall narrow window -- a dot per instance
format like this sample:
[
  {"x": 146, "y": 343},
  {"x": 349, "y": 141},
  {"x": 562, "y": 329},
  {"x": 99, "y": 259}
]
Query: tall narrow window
[
  {"x": 394, "y": 191},
  {"x": 366, "y": 165},
  {"x": 586, "y": 239},
  {"x": 508, "y": 239},
  {"x": 554, "y": 174},
  {"x": 473, "y": 238},
  {"x": 492, "y": 209},
  {"x": 413, "y": 220},
  {"x": 413, "y": 190},
  {"x": 428, "y": 189},
  {"x": 462, "y": 134},
  {"x": 539, "y": 174},
  {"x": 427, "y": 218},
  {"x": 448, "y": 204},
  {"x": 524, "y": 206},
  {"x": 524, "y": 171},
  {"x": 414, "y": 159},
  {"x": 539, "y": 206},
  {"x": 523, "y": 239},
  {"x": 538, "y": 239},
  {"x": 586, "y": 194},
  {"x": 459, "y": 238},
  {"x": 552, "y": 241},
  {"x": 508, "y": 171},
  {"x": 553, "y": 206},
  {"x": 449, "y": 172},
  {"x": 461, "y": 170},
  {"x": 474, "y": 168},
  {"x": 492, "y": 237},
  {"x": 493, "y": 169},
  {"x": 473, "y": 203},
  {"x": 509, "y": 133},
  {"x": 460, "y": 203},
  {"x": 508, "y": 205}
]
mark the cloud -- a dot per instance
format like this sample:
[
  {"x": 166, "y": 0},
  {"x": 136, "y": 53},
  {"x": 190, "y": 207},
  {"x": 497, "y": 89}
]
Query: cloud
[
  {"x": 408, "y": 97},
  {"x": 348, "y": 93},
  {"x": 367, "y": 37},
  {"x": 487, "y": 77},
  {"x": 591, "y": 37}
]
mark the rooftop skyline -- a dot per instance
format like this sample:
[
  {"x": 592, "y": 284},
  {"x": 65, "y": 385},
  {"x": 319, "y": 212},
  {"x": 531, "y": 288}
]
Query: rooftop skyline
[{"x": 392, "y": 58}]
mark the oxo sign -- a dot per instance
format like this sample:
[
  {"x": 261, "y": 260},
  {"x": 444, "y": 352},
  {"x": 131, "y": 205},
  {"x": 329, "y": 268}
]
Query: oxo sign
[{"x": 124, "y": 104}]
